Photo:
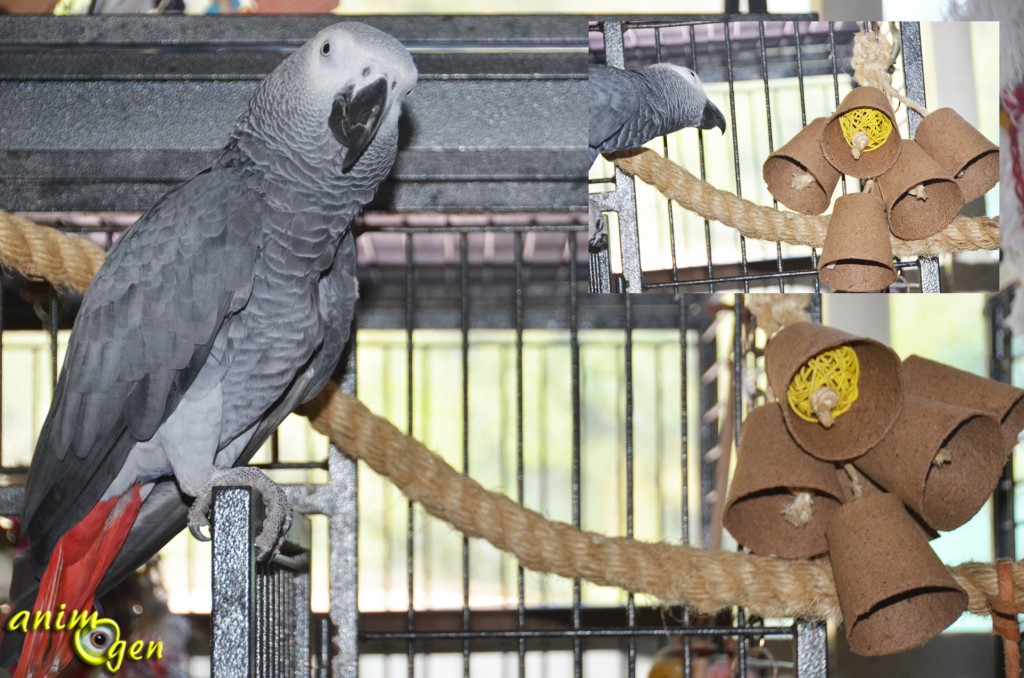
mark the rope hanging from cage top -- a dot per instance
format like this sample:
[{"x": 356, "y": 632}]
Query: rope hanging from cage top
[
  {"x": 964, "y": 234},
  {"x": 673, "y": 573}
]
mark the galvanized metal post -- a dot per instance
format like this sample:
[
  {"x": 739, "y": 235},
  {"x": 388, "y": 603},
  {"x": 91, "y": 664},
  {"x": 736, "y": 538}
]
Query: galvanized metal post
[
  {"x": 931, "y": 280},
  {"x": 913, "y": 75},
  {"x": 623, "y": 199},
  {"x": 1000, "y": 368},
  {"x": 233, "y": 650},
  {"x": 913, "y": 70},
  {"x": 344, "y": 531},
  {"x": 811, "y": 650}
]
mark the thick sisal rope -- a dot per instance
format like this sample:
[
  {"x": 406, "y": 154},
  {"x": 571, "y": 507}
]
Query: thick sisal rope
[
  {"x": 44, "y": 253},
  {"x": 762, "y": 222},
  {"x": 673, "y": 573}
]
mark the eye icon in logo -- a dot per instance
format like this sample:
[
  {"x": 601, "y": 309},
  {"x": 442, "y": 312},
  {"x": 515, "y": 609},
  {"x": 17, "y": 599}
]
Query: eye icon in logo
[{"x": 93, "y": 645}]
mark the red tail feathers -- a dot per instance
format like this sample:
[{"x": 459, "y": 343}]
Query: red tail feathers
[{"x": 76, "y": 568}]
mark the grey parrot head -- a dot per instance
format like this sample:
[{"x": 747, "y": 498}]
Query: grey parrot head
[
  {"x": 332, "y": 100},
  {"x": 367, "y": 75},
  {"x": 710, "y": 116}
]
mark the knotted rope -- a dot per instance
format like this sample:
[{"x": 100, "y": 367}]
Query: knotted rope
[
  {"x": 775, "y": 311},
  {"x": 872, "y": 58},
  {"x": 762, "y": 222},
  {"x": 673, "y": 573}
]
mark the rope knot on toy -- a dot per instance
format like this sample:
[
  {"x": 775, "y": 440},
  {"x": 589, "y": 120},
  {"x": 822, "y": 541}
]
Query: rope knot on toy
[
  {"x": 800, "y": 511},
  {"x": 826, "y": 386},
  {"x": 801, "y": 181},
  {"x": 873, "y": 59}
]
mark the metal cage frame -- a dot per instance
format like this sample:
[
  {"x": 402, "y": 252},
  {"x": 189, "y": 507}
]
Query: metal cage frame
[
  {"x": 543, "y": 196},
  {"x": 622, "y": 198}
]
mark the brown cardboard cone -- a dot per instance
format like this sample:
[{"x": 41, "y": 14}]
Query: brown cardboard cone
[
  {"x": 949, "y": 385},
  {"x": 857, "y": 256},
  {"x": 963, "y": 152},
  {"x": 912, "y": 217},
  {"x": 948, "y": 491},
  {"x": 836, "y": 149},
  {"x": 869, "y": 418},
  {"x": 770, "y": 469},
  {"x": 801, "y": 157},
  {"x": 893, "y": 590},
  {"x": 867, "y": 487}
]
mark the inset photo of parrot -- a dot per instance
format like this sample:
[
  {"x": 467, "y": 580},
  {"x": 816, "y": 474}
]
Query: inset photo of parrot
[{"x": 218, "y": 312}]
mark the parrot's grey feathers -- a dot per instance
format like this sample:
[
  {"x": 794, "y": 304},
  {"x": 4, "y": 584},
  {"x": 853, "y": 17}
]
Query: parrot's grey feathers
[
  {"x": 628, "y": 108},
  {"x": 614, "y": 100},
  {"x": 164, "y": 511},
  {"x": 338, "y": 294},
  {"x": 129, "y": 361},
  {"x": 226, "y": 305}
]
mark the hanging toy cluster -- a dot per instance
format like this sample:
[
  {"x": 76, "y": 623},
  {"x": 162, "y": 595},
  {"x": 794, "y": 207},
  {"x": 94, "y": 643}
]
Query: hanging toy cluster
[
  {"x": 863, "y": 458},
  {"x": 914, "y": 187}
]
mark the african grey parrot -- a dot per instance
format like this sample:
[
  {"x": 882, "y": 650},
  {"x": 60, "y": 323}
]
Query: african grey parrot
[
  {"x": 629, "y": 108},
  {"x": 223, "y": 308}
]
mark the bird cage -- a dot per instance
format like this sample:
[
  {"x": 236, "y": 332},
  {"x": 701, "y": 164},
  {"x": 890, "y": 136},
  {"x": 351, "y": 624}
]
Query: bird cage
[
  {"x": 770, "y": 78},
  {"x": 474, "y": 334}
]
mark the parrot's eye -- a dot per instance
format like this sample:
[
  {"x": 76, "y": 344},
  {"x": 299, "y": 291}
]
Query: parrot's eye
[{"x": 325, "y": 48}]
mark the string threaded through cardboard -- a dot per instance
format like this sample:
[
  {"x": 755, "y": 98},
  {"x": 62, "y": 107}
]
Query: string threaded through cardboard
[
  {"x": 837, "y": 370},
  {"x": 855, "y": 485}
]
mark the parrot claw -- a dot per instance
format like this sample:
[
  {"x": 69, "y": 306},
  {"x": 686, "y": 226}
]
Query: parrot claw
[
  {"x": 277, "y": 515},
  {"x": 196, "y": 528}
]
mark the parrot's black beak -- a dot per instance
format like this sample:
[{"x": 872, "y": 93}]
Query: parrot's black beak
[
  {"x": 712, "y": 117},
  {"x": 356, "y": 117}
]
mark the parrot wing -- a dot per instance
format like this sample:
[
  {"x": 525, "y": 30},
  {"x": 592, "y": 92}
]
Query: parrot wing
[
  {"x": 614, "y": 101},
  {"x": 164, "y": 512},
  {"x": 142, "y": 335}
]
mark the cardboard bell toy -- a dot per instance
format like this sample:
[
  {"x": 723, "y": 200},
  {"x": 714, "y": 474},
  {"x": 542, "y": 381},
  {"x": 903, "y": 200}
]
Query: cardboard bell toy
[
  {"x": 893, "y": 590},
  {"x": 920, "y": 197},
  {"x": 861, "y": 138},
  {"x": 857, "y": 255},
  {"x": 781, "y": 499},
  {"x": 840, "y": 394},
  {"x": 798, "y": 175},
  {"x": 964, "y": 153},
  {"x": 943, "y": 461},
  {"x": 949, "y": 385}
]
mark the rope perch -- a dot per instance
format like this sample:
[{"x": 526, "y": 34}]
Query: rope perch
[
  {"x": 44, "y": 253},
  {"x": 762, "y": 222},
  {"x": 675, "y": 574}
]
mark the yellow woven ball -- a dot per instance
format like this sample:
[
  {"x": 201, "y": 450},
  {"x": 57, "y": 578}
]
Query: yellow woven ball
[
  {"x": 837, "y": 369},
  {"x": 875, "y": 124}
]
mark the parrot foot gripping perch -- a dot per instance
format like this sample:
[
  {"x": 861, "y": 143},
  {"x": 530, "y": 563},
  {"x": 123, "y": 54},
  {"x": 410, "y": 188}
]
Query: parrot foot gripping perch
[{"x": 278, "y": 515}]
